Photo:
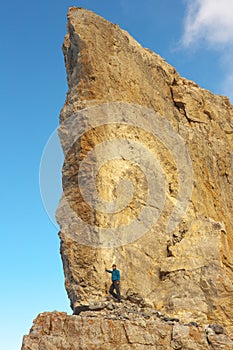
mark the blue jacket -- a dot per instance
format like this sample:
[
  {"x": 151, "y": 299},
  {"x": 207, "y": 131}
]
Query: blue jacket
[{"x": 115, "y": 275}]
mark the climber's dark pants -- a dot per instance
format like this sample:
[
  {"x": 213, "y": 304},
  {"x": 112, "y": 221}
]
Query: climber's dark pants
[{"x": 116, "y": 287}]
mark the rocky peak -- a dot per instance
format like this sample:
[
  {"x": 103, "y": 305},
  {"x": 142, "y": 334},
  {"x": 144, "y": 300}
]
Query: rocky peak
[{"x": 159, "y": 149}]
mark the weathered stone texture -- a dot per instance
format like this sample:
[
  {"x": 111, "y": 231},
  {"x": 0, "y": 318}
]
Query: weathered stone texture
[
  {"x": 186, "y": 273},
  {"x": 57, "y": 330},
  {"x": 189, "y": 271}
]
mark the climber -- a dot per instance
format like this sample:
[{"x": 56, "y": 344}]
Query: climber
[{"x": 115, "y": 283}]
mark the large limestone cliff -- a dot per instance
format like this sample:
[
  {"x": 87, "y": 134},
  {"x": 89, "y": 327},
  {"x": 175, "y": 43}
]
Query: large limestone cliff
[{"x": 171, "y": 160}]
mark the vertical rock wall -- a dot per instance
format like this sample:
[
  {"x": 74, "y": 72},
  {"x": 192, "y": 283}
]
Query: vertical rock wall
[{"x": 186, "y": 270}]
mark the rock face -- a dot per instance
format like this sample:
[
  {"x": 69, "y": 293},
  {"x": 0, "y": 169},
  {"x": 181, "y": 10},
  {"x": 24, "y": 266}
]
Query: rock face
[
  {"x": 148, "y": 185},
  {"x": 123, "y": 330}
]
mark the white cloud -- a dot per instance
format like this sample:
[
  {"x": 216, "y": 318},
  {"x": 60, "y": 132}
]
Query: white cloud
[{"x": 209, "y": 21}]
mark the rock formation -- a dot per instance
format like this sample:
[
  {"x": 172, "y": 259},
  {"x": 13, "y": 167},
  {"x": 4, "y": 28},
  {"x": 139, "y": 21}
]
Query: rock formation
[
  {"x": 122, "y": 328},
  {"x": 172, "y": 161}
]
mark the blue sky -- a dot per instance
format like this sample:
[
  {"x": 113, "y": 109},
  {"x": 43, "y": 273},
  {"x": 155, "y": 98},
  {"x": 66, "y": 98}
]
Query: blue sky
[{"x": 194, "y": 36}]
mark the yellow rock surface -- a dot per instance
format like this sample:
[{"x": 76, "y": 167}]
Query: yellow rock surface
[{"x": 186, "y": 271}]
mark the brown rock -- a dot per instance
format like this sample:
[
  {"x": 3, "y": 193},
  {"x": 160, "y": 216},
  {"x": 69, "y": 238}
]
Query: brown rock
[
  {"x": 148, "y": 185},
  {"x": 187, "y": 271},
  {"x": 60, "y": 331}
]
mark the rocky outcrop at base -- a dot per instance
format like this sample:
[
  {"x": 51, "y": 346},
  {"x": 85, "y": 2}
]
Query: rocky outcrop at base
[{"x": 123, "y": 326}]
